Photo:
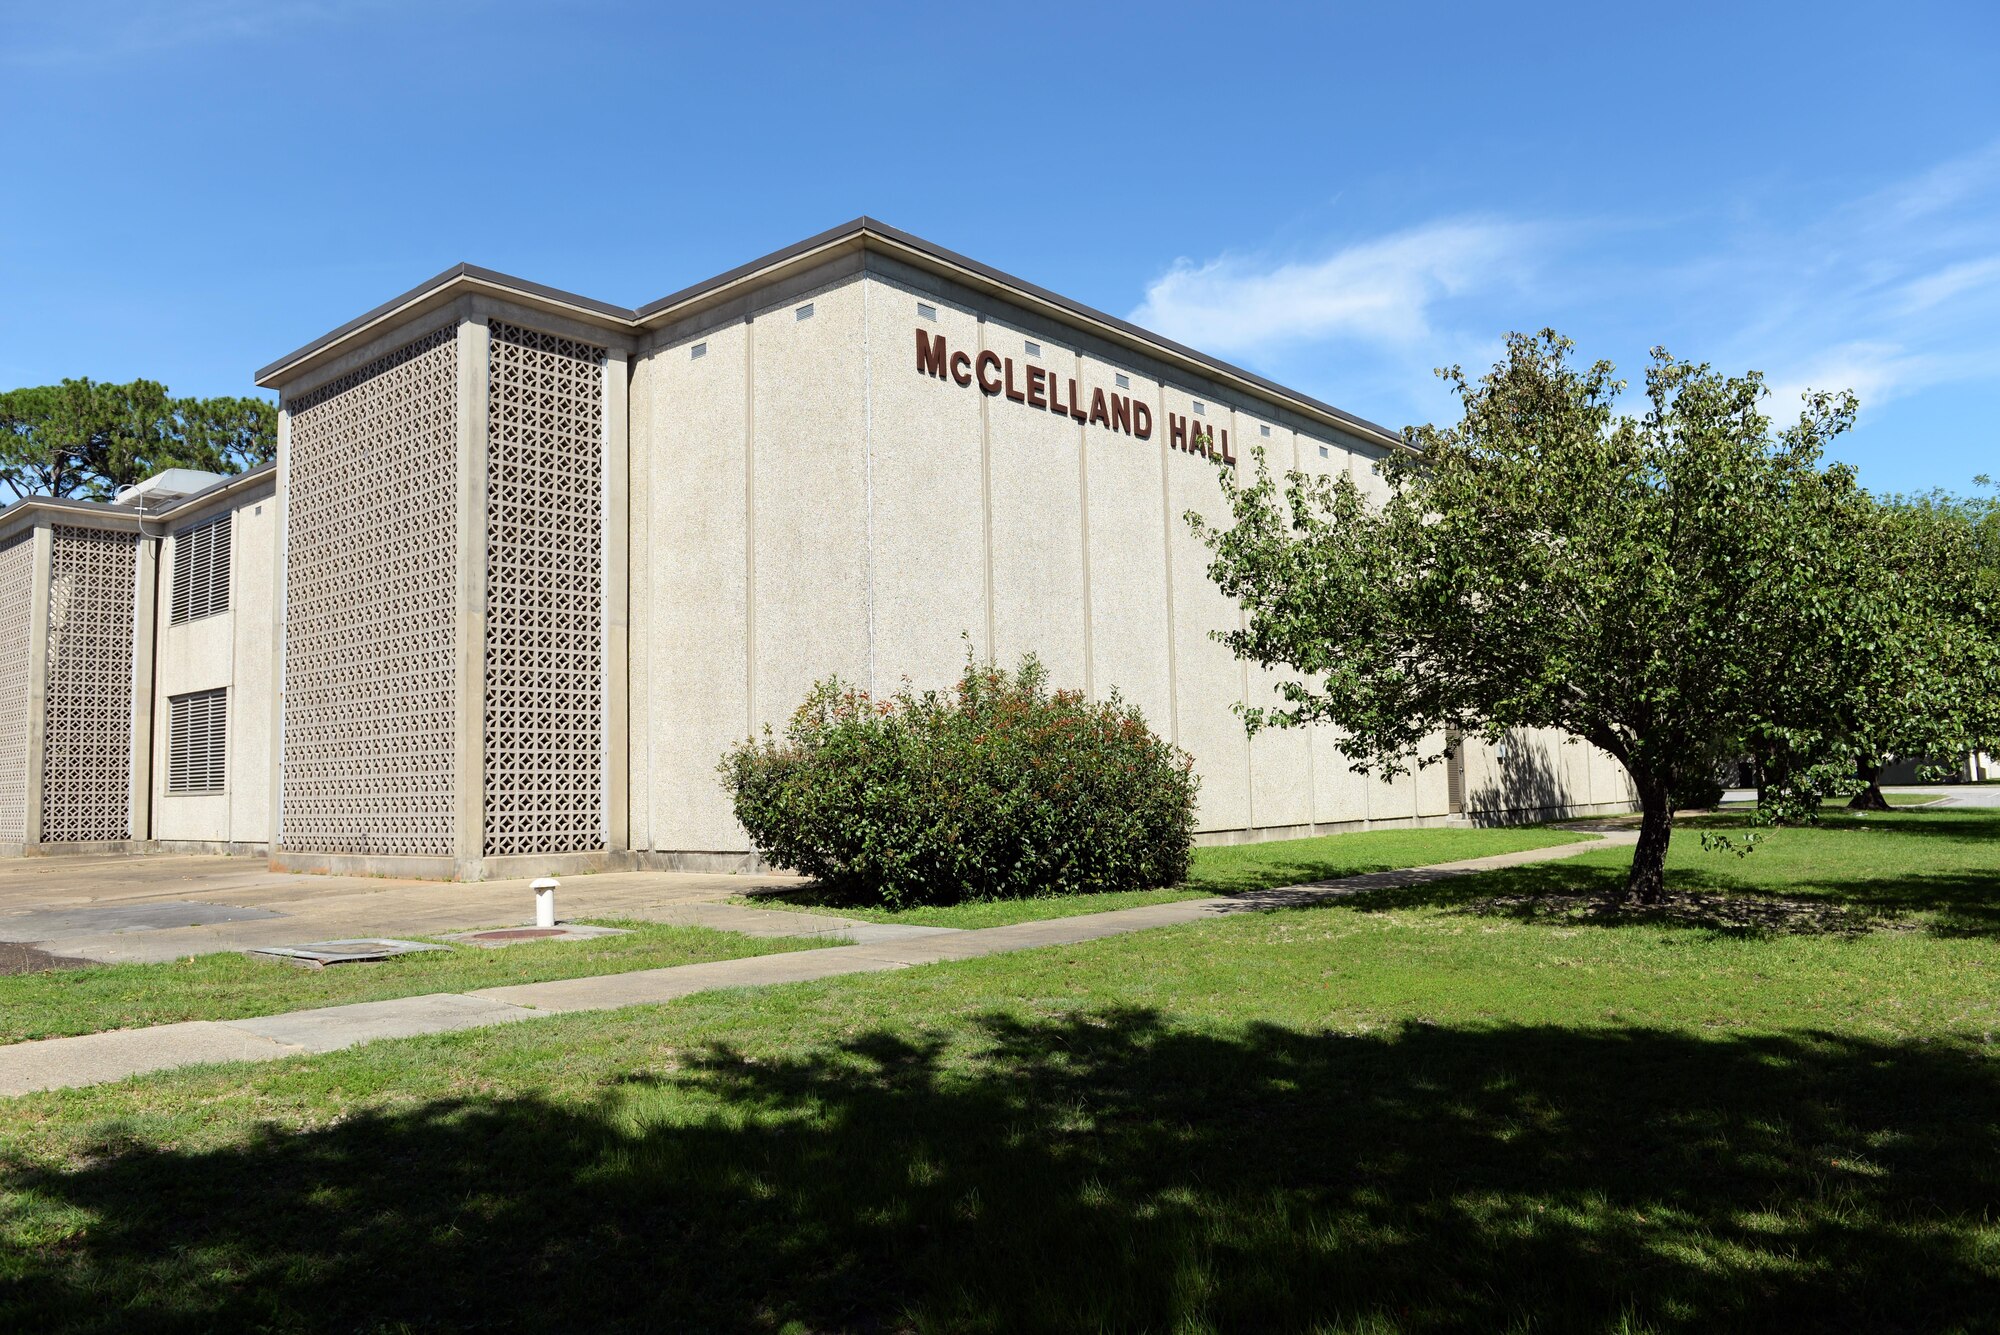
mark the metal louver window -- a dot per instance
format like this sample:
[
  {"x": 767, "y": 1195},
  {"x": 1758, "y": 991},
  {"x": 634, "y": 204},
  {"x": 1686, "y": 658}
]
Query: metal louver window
[
  {"x": 197, "y": 735},
  {"x": 201, "y": 571}
]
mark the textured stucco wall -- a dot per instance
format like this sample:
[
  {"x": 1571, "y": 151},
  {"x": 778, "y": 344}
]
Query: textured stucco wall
[
  {"x": 813, "y": 504},
  {"x": 231, "y": 650}
]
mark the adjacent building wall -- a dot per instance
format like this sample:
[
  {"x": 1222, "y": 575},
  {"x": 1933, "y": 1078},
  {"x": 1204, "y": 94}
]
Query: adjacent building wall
[{"x": 231, "y": 651}]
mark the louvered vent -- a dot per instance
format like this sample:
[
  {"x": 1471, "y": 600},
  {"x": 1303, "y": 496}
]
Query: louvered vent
[
  {"x": 201, "y": 571},
  {"x": 197, "y": 740}
]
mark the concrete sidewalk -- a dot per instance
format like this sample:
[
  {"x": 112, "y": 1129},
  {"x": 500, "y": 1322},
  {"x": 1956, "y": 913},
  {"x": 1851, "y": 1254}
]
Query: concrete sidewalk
[{"x": 60, "y": 1063}]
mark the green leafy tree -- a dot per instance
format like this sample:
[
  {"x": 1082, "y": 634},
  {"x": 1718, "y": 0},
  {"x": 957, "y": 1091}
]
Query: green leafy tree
[
  {"x": 1548, "y": 562},
  {"x": 83, "y": 438},
  {"x": 1926, "y": 679}
]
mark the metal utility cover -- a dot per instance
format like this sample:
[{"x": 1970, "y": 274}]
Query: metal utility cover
[{"x": 356, "y": 951}]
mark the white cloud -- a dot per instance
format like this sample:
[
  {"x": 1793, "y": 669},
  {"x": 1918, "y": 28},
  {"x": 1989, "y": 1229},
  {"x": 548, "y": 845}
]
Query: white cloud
[
  {"x": 1890, "y": 292},
  {"x": 1380, "y": 290}
]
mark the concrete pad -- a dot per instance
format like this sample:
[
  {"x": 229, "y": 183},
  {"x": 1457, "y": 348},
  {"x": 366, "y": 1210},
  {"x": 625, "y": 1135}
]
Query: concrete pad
[
  {"x": 329, "y": 1028},
  {"x": 60, "y": 1063},
  {"x": 144, "y": 916}
]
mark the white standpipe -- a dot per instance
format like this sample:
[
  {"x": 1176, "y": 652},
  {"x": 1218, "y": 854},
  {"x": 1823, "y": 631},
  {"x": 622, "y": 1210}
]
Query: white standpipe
[{"x": 545, "y": 901}]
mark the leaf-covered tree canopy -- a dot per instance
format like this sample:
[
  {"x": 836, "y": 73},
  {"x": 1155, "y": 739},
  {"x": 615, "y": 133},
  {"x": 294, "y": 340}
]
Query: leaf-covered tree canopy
[
  {"x": 82, "y": 438},
  {"x": 1667, "y": 586}
]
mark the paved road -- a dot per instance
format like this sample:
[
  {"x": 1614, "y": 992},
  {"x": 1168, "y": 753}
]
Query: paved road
[{"x": 1951, "y": 794}]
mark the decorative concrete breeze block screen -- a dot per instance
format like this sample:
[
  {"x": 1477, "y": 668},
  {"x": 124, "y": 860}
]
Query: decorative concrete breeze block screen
[
  {"x": 17, "y": 574},
  {"x": 87, "y": 746},
  {"x": 371, "y": 578},
  {"x": 545, "y": 664}
]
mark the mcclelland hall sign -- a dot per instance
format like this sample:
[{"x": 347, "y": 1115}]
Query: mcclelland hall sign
[{"x": 1040, "y": 388}]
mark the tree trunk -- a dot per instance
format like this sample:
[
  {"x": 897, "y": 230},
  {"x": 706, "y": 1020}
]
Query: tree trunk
[
  {"x": 1648, "y": 882},
  {"x": 1869, "y": 798}
]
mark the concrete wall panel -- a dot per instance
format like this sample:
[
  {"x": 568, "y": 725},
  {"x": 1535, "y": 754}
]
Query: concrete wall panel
[
  {"x": 813, "y": 506},
  {"x": 928, "y": 535},
  {"x": 694, "y": 452},
  {"x": 1208, "y": 678},
  {"x": 1129, "y": 631},
  {"x": 1037, "y": 504}
]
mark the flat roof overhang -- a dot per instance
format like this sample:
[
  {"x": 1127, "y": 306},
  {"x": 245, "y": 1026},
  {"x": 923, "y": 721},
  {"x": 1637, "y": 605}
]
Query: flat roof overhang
[{"x": 860, "y": 234}]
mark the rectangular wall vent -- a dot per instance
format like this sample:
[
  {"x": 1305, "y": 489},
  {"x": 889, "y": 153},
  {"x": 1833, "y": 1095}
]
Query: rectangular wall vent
[
  {"x": 201, "y": 571},
  {"x": 926, "y": 310},
  {"x": 1122, "y": 380},
  {"x": 804, "y": 312},
  {"x": 197, "y": 741},
  {"x": 698, "y": 351},
  {"x": 1034, "y": 348}
]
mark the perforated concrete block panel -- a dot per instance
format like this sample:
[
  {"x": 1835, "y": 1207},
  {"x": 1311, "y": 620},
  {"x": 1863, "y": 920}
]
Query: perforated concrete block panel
[
  {"x": 370, "y": 672},
  {"x": 87, "y": 757},
  {"x": 544, "y": 653}
]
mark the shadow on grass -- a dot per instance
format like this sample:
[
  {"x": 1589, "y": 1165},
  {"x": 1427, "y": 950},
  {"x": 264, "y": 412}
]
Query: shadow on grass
[
  {"x": 1101, "y": 1171},
  {"x": 1954, "y": 903}
]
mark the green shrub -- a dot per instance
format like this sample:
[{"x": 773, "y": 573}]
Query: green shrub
[{"x": 998, "y": 788}]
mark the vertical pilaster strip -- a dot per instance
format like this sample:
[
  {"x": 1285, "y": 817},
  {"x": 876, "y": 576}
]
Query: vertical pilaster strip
[
  {"x": 280, "y": 584},
  {"x": 145, "y": 611},
  {"x": 1167, "y": 520},
  {"x": 617, "y": 614},
  {"x": 986, "y": 510},
  {"x": 1242, "y": 623},
  {"x": 38, "y": 678},
  {"x": 1083, "y": 513},
  {"x": 750, "y": 525},
  {"x": 639, "y": 602},
  {"x": 469, "y": 756},
  {"x": 1312, "y": 729}
]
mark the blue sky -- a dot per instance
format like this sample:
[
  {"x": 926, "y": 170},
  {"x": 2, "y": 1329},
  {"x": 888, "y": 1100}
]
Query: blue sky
[{"x": 1341, "y": 196}]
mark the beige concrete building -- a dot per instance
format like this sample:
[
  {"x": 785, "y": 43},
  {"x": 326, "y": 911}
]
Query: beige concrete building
[{"x": 528, "y": 562}]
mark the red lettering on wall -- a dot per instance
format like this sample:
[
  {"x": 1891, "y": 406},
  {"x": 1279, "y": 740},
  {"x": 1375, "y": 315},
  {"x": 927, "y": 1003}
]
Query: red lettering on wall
[
  {"x": 930, "y": 354},
  {"x": 1121, "y": 413},
  {"x": 1177, "y": 432},
  {"x": 961, "y": 368},
  {"x": 1097, "y": 414},
  {"x": 1036, "y": 375},
  {"x": 1012, "y": 393},
  {"x": 1074, "y": 410},
  {"x": 988, "y": 361},
  {"x": 1142, "y": 420},
  {"x": 1227, "y": 457}
]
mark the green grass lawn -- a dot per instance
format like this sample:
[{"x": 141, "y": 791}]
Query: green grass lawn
[
  {"x": 1231, "y": 869},
  {"x": 230, "y": 986},
  {"x": 1481, "y": 1105}
]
